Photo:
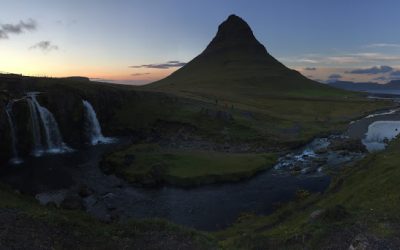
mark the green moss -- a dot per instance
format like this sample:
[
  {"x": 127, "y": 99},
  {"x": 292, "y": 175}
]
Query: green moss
[{"x": 149, "y": 164}]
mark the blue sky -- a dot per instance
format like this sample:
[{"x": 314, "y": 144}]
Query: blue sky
[{"x": 101, "y": 39}]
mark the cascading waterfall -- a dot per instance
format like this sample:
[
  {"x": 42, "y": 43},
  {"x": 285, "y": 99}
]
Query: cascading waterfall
[
  {"x": 15, "y": 158},
  {"x": 53, "y": 142},
  {"x": 92, "y": 126},
  {"x": 38, "y": 148}
]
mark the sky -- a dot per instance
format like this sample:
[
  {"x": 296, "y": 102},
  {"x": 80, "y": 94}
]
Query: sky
[{"x": 137, "y": 42}]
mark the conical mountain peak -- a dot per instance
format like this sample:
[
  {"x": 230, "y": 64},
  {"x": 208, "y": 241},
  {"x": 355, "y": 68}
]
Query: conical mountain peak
[
  {"x": 235, "y": 34},
  {"x": 235, "y": 65},
  {"x": 235, "y": 28}
]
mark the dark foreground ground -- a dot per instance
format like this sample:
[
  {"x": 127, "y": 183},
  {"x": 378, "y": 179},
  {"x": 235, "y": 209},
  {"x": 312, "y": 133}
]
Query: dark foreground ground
[{"x": 26, "y": 225}]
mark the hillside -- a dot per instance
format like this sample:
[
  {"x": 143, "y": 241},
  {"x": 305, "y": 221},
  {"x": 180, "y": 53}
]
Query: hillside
[
  {"x": 237, "y": 75},
  {"x": 359, "y": 209},
  {"x": 388, "y": 87}
]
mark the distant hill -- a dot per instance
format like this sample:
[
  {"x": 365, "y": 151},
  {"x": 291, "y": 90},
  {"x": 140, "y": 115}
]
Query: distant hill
[
  {"x": 355, "y": 86},
  {"x": 366, "y": 86},
  {"x": 235, "y": 66}
]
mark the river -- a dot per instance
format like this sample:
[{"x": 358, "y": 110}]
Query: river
[{"x": 52, "y": 178}]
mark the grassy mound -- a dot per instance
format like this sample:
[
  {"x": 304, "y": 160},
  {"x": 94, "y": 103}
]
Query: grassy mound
[{"x": 148, "y": 164}]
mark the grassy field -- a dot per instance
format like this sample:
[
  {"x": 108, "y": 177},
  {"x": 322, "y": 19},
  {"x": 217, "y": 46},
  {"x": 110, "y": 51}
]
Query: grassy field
[
  {"x": 148, "y": 164},
  {"x": 362, "y": 201},
  {"x": 271, "y": 121}
]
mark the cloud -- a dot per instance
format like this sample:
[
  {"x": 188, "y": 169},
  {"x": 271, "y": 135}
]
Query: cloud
[
  {"x": 140, "y": 74},
  {"x": 372, "y": 71},
  {"x": 7, "y": 29},
  {"x": 345, "y": 59},
  {"x": 45, "y": 46},
  {"x": 395, "y": 75},
  {"x": 334, "y": 76},
  {"x": 307, "y": 60},
  {"x": 167, "y": 65},
  {"x": 67, "y": 22},
  {"x": 381, "y": 78},
  {"x": 123, "y": 81},
  {"x": 310, "y": 68},
  {"x": 383, "y": 45}
]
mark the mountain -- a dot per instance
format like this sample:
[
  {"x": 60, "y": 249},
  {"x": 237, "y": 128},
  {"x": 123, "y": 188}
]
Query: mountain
[
  {"x": 394, "y": 84},
  {"x": 355, "y": 86},
  {"x": 236, "y": 66}
]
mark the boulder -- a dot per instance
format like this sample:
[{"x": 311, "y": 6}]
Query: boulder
[
  {"x": 316, "y": 214},
  {"x": 72, "y": 202},
  {"x": 85, "y": 191},
  {"x": 360, "y": 242}
]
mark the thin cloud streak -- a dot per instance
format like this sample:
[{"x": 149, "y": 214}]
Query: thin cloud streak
[
  {"x": 383, "y": 45},
  {"x": 346, "y": 59},
  {"x": 140, "y": 74},
  {"x": 372, "y": 71},
  {"x": 167, "y": 65}
]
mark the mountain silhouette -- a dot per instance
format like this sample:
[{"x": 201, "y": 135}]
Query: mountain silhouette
[{"x": 236, "y": 65}]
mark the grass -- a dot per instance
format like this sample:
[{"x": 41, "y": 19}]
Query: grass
[
  {"x": 363, "y": 199},
  {"x": 148, "y": 164},
  {"x": 271, "y": 121}
]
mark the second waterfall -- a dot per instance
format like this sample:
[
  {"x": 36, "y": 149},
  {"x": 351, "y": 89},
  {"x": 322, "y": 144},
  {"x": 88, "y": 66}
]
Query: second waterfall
[{"x": 92, "y": 126}]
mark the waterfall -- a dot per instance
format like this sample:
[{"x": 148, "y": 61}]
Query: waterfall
[
  {"x": 92, "y": 126},
  {"x": 15, "y": 159},
  {"x": 38, "y": 148},
  {"x": 53, "y": 142}
]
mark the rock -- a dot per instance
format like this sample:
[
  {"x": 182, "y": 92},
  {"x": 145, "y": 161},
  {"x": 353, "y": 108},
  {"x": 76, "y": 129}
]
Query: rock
[
  {"x": 321, "y": 151},
  {"x": 90, "y": 201},
  {"x": 85, "y": 191},
  {"x": 55, "y": 197},
  {"x": 296, "y": 168},
  {"x": 320, "y": 160},
  {"x": 72, "y": 202},
  {"x": 316, "y": 214},
  {"x": 360, "y": 242},
  {"x": 347, "y": 144}
]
